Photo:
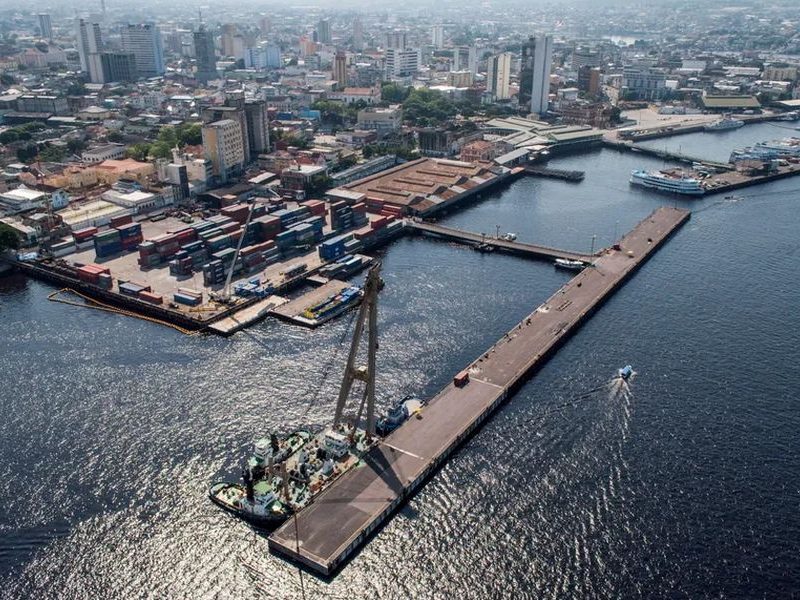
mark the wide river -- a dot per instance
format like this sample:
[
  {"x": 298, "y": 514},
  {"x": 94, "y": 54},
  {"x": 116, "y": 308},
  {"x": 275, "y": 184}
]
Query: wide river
[{"x": 113, "y": 428}]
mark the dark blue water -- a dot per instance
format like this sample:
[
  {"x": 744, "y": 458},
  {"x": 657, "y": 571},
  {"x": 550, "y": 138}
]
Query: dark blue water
[{"x": 113, "y": 428}]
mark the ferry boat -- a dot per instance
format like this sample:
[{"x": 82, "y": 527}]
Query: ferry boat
[
  {"x": 726, "y": 123},
  {"x": 764, "y": 151},
  {"x": 569, "y": 265},
  {"x": 333, "y": 306},
  {"x": 665, "y": 181},
  {"x": 625, "y": 372}
]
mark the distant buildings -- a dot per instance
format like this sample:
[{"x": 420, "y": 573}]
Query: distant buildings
[
  {"x": 382, "y": 120},
  {"x": 144, "y": 42},
  {"x": 205, "y": 54},
  {"x": 537, "y": 60},
  {"x": 498, "y": 75},
  {"x": 589, "y": 80},
  {"x": 324, "y": 32},
  {"x": 117, "y": 66},
  {"x": 45, "y": 27},
  {"x": 396, "y": 39},
  {"x": 340, "y": 69},
  {"x": 437, "y": 36},
  {"x": 223, "y": 143}
]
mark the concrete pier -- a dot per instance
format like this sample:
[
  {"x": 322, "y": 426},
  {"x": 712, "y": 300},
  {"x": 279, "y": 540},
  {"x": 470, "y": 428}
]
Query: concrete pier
[{"x": 325, "y": 534}]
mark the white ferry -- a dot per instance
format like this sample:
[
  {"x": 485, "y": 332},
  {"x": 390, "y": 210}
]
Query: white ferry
[{"x": 668, "y": 182}]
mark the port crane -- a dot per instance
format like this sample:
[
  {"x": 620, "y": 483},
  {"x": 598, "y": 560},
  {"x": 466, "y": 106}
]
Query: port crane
[
  {"x": 367, "y": 317},
  {"x": 225, "y": 296}
]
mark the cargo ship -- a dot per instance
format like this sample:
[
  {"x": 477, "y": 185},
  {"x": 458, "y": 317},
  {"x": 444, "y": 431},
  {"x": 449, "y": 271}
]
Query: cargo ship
[
  {"x": 333, "y": 306},
  {"x": 283, "y": 477},
  {"x": 668, "y": 181}
]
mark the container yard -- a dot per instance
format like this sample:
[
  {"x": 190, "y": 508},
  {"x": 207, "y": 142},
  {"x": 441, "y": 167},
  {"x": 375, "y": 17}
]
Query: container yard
[{"x": 182, "y": 267}]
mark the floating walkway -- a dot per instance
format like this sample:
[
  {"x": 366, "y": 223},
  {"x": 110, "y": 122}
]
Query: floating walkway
[
  {"x": 520, "y": 248},
  {"x": 562, "y": 174},
  {"x": 247, "y": 316},
  {"x": 325, "y": 534}
]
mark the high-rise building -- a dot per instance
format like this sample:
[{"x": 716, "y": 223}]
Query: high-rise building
[
  {"x": 589, "y": 80},
  {"x": 537, "y": 60},
  {"x": 396, "y": 39},
  {"x": 401, "y": 62},
  {"x": 583, "y": 57},
  {"x": 234, "y": 109},
  {"x": 205, "y": 54},
  {"x": 324, "y": 32},
  {"x": 257, "y": 126},
  {"x": 358, "y": 34},
  {"x": 263, "y": 56},
  {"x": 144, "y": 42},
  {"x": 437, "y": 36},
  {"x": 340, "y": 69},
  {"x": 265, "y": 25},
  {"x": 45, "y": 26},
  {"x": 117, "y": 66},
  {"x": 226, "y": 40},
  {"x": 89, "y": 41},
  {"x": 643, "y": 82},
  {"x": 472, "y": 60},
  {"x": 498, "y": 75},
  {"x": 223, "y": 143}
]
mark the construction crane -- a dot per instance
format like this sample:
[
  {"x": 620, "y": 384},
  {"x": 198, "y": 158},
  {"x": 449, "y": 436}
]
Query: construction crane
[{"x": 225, "y": 296}]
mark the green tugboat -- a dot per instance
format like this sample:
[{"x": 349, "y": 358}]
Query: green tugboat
[{"x": 283, "y": 477}]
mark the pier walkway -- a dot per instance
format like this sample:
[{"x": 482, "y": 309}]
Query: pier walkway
[
  {"x": 323, "y": 535},
  {"x": 666, "y": 154},
  {"x": 521, "y": 248}
]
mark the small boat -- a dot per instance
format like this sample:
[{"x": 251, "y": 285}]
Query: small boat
[
  {"x": 509, "y": 237},
  {"x": 484, "y": 247},
  {"x": 397, "y": 415},
  {"x": 726, "y": 123},
  {"x": 625, "y": 372},
  {"x": 569, "y": 265}
]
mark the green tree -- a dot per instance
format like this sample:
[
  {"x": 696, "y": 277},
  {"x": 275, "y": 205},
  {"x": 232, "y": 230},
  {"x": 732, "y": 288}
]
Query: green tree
[
  {"x": 9, "y": 239},
  {"x": 392, "y": 93},
  {"x": 139, "y": 152},
  {"x": 76, "y": 146},
  {"x": 9, "y": 136},
  {"x": 428, "y": 108},
  {"x": 52, "y": 154},
  {"x": 190, "y": 134},
  {"x": 115, "y": 136},
  {"x": 27, "y": 153}
]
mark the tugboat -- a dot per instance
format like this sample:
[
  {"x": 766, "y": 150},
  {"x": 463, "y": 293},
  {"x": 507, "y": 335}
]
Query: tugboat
[
  {"x": 398, "y": 414},
  {"x": 283, "y": 478},
  {"x": 625, "y": 373}
]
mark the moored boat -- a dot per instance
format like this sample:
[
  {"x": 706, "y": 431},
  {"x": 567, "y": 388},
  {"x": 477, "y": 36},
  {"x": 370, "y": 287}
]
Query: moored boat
[
  {"x": 569, "y": 265},
  {"x": 668, "y": 181}
]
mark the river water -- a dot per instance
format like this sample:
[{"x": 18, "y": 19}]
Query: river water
[{"x": 113, "y": 428}]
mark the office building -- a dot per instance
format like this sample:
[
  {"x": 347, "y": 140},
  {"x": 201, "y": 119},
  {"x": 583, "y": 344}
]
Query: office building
[
  {"x": 437, "y": 36},
  {"x": 144, "y": 42},
  {"x": 205, "y": 55},
  {"x": 324, "y": 32},
  {"x": 403, "y": 62},
  {"x": 498, "y": 76},
  {"x": 229, "y": 30},
  {"x": 222, "y": 141},
  {"x": 585, "y": 57},
  {"x": 537, "y": 60},
  {"x": 89, "y": 41},
  {"x": 340, "y": 69},
  {"x": 643, "y": 82},
  {"x": 45, "y": 26}
]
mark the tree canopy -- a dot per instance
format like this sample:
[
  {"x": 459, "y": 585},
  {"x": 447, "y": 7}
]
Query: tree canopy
[
  {"x": 9, "y": 239},
  {"x": 427, "y": 108}
]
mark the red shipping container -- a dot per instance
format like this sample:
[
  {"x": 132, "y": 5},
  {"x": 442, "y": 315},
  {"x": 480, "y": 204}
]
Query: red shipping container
[
  {"x": 81, "y": 235},
  {"x": 117, "y": 221},
  {"x": 461, "y": 379},
  {"x": 360, "y": 207},
  {"x": 230, "y": 227},
  {"x": 151, "y": 297},
  {"x": 379, "y": 223}
]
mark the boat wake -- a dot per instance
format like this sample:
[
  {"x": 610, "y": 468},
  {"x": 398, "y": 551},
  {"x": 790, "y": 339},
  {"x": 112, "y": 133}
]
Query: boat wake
[{"x": 619, "y": 387}]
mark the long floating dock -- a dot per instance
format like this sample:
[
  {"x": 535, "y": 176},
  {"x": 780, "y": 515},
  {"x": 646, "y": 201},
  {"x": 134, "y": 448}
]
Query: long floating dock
[
  {"x": 514, "y": 247},
  {"x": 337, "y": 523}
]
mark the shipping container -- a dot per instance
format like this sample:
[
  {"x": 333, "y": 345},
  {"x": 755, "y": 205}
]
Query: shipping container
[
  {"x": 82, "y": 235},
  {"x": 187, "y": 299},
  {"x": 151, "y": 297}
]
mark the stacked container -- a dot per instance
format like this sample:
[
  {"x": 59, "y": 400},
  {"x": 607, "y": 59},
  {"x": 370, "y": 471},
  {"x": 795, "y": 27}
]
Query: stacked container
[
  {"x": 213, "y": 273},
  {"x": 130, "y": 288},
  {"x": 334, "y": 248},
  {"x": 188, "y": 296},
  {"x": 130, "y": 235},
  {"x": 107, "y": 243},
  {"x": 84, "y": 235}
]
